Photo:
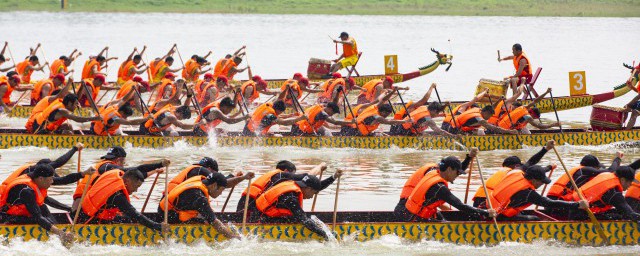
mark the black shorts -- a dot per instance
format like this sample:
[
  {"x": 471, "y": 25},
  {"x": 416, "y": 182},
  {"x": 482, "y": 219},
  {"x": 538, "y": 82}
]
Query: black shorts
[
  {"x": 636, "y": 105},
  {"x": 398, "y": 130}
]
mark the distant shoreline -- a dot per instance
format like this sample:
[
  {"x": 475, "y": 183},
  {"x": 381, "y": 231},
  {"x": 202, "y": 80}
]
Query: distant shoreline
[{"x": 547, "y": 8}]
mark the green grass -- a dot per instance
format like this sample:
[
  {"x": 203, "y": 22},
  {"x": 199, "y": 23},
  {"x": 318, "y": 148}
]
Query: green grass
[{"x": 588, "y": 8}]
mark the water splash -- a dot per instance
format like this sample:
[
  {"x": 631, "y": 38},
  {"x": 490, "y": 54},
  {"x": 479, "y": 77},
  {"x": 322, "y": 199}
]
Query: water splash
[{"x": 330, "y": 236}]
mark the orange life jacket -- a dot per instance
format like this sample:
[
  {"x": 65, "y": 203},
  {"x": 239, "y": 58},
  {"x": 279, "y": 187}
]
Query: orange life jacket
[
  {"x": 127, "y": 71},
  {"x": 594, "y": 189},
  {"x": 226, "y": 70},
  {"x": 417, "y": 198},
  {"x": 634, "y": 190},
  {"x": 464, "y": 117},
  {"x": 330, "y": 86},
  {"x": 267, "y": 202},
  {"x": 260, "y": 184},
  {"x": 149, "y": 124},
  {"x": 192, "y": 183},
  {"x": 107, "y": 114},
  {"x": 41, "y": 106},
  {"x": 94, "y": 90},
  {"x": 205, "y": 111},
  {"x": 311, "y": 112},
  {"x": 161, "y": 71},
  {"x": 96, "y": 199},
  {"x": 203, "y": 95},
  {"x": 516, "y": 63},
  {"x": 21, "y": 69},
  {"x": 190, "y": 71},
  {"x": 257, "y": 116},
  {"x": 154, "y": 67},
  {"x": 57, "y": 67},
  {"x": 255, "y": 95},
  {"x": 370, "y": 86},
  {"x": 515, "y": 116},
  {"x": 401, "y": 113},
  {"x": 217, "y": 70},
  {"x": 492, "y": 182},
  {"x": 14, "y": 175},
  {"x": 368, "y": 112},
  {"x": 350, "y": 50},
  {"x": 350, "y": 117},
  {"x": 501, "y": 196},
  {"x": 36, "y": 93},
  {"x": 163, "y": 86},
  {"x": 497, "y": 114},
  {"x": 82, "y": 182},
  {"x": 21, "y": 209},
  {"x": 415, "y": 178},
  {"x": 448, "y": 118},
  {"x": 294, "y": 86},
  {"x": 562, "y": 187},
  {"x": 45, "y": 116},
  {"x": 181, "y": 177},
  {"x": 87, "y": 70},
  {"x": 125, "y": 89},
  {"x": 6, "y": 98},
  {"x": 420, "y": 113}
]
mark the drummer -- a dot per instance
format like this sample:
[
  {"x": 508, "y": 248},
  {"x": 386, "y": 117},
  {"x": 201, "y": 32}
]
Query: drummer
[{"x": 521, "y": 64}]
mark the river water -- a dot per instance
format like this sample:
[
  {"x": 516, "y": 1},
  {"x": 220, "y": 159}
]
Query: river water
[{"x": 280, "y": 45}]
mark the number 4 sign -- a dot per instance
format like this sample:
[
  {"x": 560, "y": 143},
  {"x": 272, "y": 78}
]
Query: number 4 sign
[
  {"x": 390, "y": 64},
  {"x": 577, "y": 83}
]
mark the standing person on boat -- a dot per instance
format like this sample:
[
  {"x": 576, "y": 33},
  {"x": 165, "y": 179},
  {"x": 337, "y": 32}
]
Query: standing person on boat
[
  {"x": 222, "y": 63},
  {"x": 251, "y": 90},
  {"x": 319, "y": 115},
  {"x": 61, "y": 65},
  {"x": 518, "y": 118},
  {"x": 349, "y": 55},
  {"x": 4, "y": 59},
  {"x": 522, "y": 65},
  {"x": 517, "y": 191},
  {"x": 282, "y": 203},
  {"x": 332, "y": 88},
  {"x": 26, "y": 68},
  {"x": 167, "y": 117},
  {"x": 45, "y": 87},
  {"x": 510, "y": 164},
  {"x": 107, "y": 201},
  {"x": 376, "y": 87},
  {"x": 267, "y": 115},
  {"x": 215, "y": 113},
  {"x": 8, "y": 84},
  {"x": 52, "y": 119},
  {"x": 115, "y": 159},
  {"x": 130, "y": 67},
  {"x": 428, "y": 189},
  {"x": 370, "y": 117},
  {"x": 188, "y": 202},
  {"x": 25, "y": 200},
  {"x": 114, "y": 115},
  {"x": 56, "y": 96}
]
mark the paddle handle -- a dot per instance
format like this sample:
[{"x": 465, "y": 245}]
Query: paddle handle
[
  {"x": 79, "y": 158},
  {"x": 246, "y": 205},
  {"x": 166, "y": 194},
  {"x": 315, "y": 197},
  {"x": 335, "y": 205},
  {"x": 553, "y": 104},
  {"x": 224, "y": 206},
  {"x": 466, "y": 193},
  {"x": 486, "y": 192},
  {"x": 144, "y": 206},
  {"x": 84, "y": 193}
]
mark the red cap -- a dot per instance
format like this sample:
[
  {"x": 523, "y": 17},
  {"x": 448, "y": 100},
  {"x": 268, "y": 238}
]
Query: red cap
[
  {"x": 208, "y": 76},
  {"x": 169, "y": 75},
  {"x": 60, "y": 77},
  {"x": 137, "y": 79},
  {"x": 16, "y": 78},
  {"x": 297, "y": 76},
  {"x": 261, "y": 83},
  {"x": 389, "y": 79},
  {"x": 146, "y": 85},
  {"x": 336, "y": 75},
  {"x": 304, "y": 80},
  {"x": 256, "y": 78},
  {"x": 100, "y": 77},
  {"x": 351, "y": 81},
  {"x": 223, "y": 79}
]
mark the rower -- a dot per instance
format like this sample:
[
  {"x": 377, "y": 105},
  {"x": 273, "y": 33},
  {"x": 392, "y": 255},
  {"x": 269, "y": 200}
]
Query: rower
[
  {"x": 428, "y": 189},
  {"x": 218, "y": 69},
  {"x": 7, "y": 85},
  {"x": 25, "y": 199},
  {"x": 251, "y": 90},
  {"x": 332, "y": 88},
  {"x": 193, "y": 69},
  {"x": 166, "y": 89},
  {"x": 174, "y": 100},
  {"x": 368, "y": 119},
  {"x": 163, "y": 69},
  {"x": 56, "y": 96},
  {"x": 502, "y": 105},
  {"x": 112, "y": 160},
  {"x": 211, "y": 92},
  {"x": 61, "y": 65},
  {"x": 107, "y": 201},
  {"x": 140, "y": 85},
  {"x": 114, "y": 115},
  {"x": 518, "y": 118},
  {"x": 130, "y": 68},
  {"x": 45, "y": 87},
  {"x": 157, "y": 63},
  {"x": 470, "y": 121},
  {"x": 318, "y": 115},
  {"x": 95, "y": 85},
  {"x": 229, "y": 66},
  {"x": 205, "y": 167},
  {"x": 376, "y": 87},
  {"x": 188, "y": 202},
  {"x": 201, "y": 84},
  {"x": 52, "y": 119},
  {"x": 282, "y": 203},
  {"x": 297, "y": 85},
  {"x": 94, "y": 65},
  {"x": 517, "y": 191},
  {"x": 349, "y": 55},
  {"x": 215, "y": 113},
  {"x": 4, "y": 59},
  {"x": 265, "y": 116},
  {"x": 632, "y": 195},
  {"x": 509, "y": 164},
  {"x": 164, "y": 120},
  {"x": 26, "y": 68},
  {"x": 420, "y": 117},
  {"x": 521, "y": 64},
  {"x": 634, "y": 105}
]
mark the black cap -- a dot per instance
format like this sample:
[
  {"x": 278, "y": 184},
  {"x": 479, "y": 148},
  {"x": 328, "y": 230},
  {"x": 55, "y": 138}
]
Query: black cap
[
  {"x": 209, "y": 163},
  {"x": 453, "y": 162},
  {"x": 511, "y": 162},
  {"x": 344, "y": 34},
  {"x": 310, "y": 181},
  {"x": 114, "y": 152},
  {"x": 215, "y": 177},
  {"x": 538, "y": 172},
  {"x": 41, "y": 170},
  {"x": 627, "y": 173},
  {"x": 591, "y": 161}
]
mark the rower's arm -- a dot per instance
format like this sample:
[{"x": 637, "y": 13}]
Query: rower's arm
[
  {"x": 67, "y": 179},
  {"x": 537, "y": 124},
  {"x": 443, "y": 193},
  {"x": 28, "y": 196},
  {"x": 331, "y": 120},
  {"x": 174, "y": 70},
  {"x": 208, "y": 54},
  {"x": 494, "y": 128},
  {"x": 432, "y": 124},
  {"x": 103, "y": 50},
  {"x": 136, "y": 121},
  {"x": 141, "y": 70},
  {"x": 128, "y": 210},
  {"x": 173, "y": 120},
  {"x": 144, "y": 168},
  {"x": 537, "y": 157},
  {"x": 311, "y": 90},
  {"x": 383, "y": 120},
  {"x": 291, "y": 202},
  {"x": 62, "y": 160},
  {"x": 7, "y": 69},
  {"x": 539, "y": 98},
  {"x": 55, "y": 204},
  {"x": 219, "y": 115},
  {"x": 533, "y": 197},
  {"x": 477, "y": 97},
  {"x": 4, "y": 48},
  {"x": 384, "y": 99},
  {"x": 23, "y": 88},
  {"x": 618, "y": 201},
  {"x": 80, "y": 119},
  {"x": 426, "y": 97}
]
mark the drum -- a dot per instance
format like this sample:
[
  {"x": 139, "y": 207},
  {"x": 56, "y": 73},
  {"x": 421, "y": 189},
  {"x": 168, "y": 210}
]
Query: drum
[
  {"x": 496, "y": 88},
  {"x": 318, "y": 68},
  {"x": 605, "y": 118}
]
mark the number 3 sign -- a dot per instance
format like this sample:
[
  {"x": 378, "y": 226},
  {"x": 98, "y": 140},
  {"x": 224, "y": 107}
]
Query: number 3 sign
[{"x": 577, "y": 83}]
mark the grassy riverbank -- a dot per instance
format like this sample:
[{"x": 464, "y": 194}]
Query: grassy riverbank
[{"x": 569, "y": 8}]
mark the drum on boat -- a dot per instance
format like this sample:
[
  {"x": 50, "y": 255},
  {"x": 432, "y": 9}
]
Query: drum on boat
[
  {"x": 318, "y": 68},
  {"x": 605, "y": 118},
  {"x": 496, "y": 88}
]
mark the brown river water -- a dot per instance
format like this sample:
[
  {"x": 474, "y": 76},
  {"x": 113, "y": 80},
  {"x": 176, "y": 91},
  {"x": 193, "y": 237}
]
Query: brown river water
[{"x": 280, "y": 45}]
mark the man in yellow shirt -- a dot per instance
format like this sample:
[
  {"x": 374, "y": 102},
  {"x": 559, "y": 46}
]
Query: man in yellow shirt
[{"x": 349, "y": 55}]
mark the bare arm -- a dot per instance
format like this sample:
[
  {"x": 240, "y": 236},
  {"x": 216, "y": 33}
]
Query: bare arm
[
  {"x": 290, "y": 121},
  {"x": 173, "y": 120},
  {"x": 437, "y": 129},
  {"x": 498, "y": 129},
  {"x": 385, "y": 98},
  {"x": 426, "y": 97},
  {"x": 103, "y": 50},
  {"x": 539, "y": 98},
  {"x": 80, "y": 119},
  {"x": 219, "y": 115},
  {"x": 383, "y": 120},
  {"x": 339, "y": 122},
  {"x": 521, "y": 65},
  {"x": 537, "y": 124},
  {"x": 208, "y": 54}
]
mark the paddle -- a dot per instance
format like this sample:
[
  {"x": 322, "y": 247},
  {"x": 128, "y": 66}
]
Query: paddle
[
  {"x": 592, "y": 217},
  {"x": 144, "y": 206},
  {"x": 347, "y": 103},
  {"x": 309, "y": 93},
  {"x": 404, "y": 105},
  {"x": 86, "y": 187},
  {"x": 180, "y": 56},
  {"x": 166, "y": 202},
  {"x": 44, "y": 56},
  {"x": 453, "y": 117},
  {"x": 335, "y": 205},
  {"x": 301, "y": 111},
  {"x": 553, "y": 103},
  {"x": 315, "y": 197},
  {"x": 486, "y": 191},
  {"x": 246, "y": 206},
  {"x": 544, "y": 188},
  {"x": 95, "y": 108},
  {"x": 512, "y": 123},
  {"x": 466, "y": 193},
  {"x": 224, "y": 206}
]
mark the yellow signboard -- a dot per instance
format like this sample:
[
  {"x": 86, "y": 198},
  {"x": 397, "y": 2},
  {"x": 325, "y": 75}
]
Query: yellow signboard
[
  {"x": 577, "y": 83},
  {"x": 390, "y": 64}
]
